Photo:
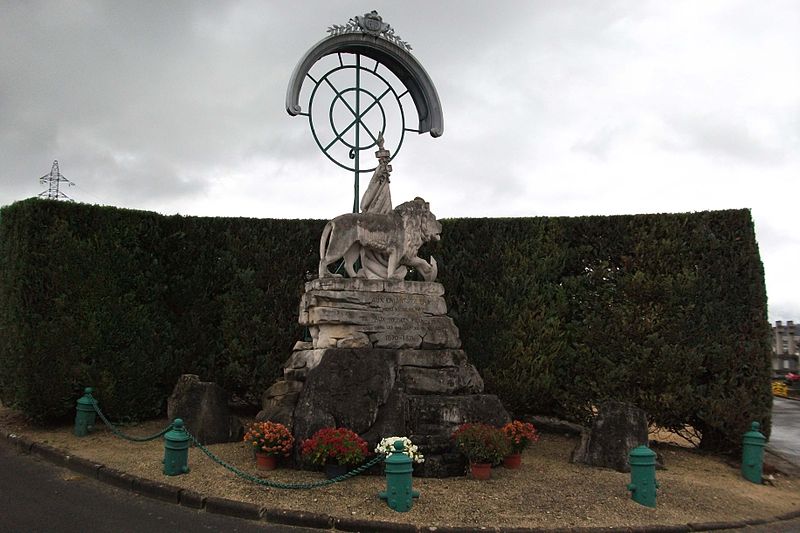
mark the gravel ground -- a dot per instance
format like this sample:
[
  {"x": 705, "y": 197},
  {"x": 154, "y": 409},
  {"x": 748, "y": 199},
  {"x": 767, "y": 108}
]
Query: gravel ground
[{"x": 548, "y": 491}]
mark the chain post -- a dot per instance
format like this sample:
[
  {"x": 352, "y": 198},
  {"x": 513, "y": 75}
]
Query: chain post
[
  {"x": 84, "y": 413},
  {"x": 399, "y": 494},
  {"x": 176, "y": 449},
  {"x": 753, "y": 443}
]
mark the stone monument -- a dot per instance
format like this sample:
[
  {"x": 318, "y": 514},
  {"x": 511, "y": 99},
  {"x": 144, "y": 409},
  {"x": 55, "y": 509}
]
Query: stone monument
[{"x": 384, "y": 359}]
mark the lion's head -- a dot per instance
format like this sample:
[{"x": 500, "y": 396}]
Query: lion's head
[{"x": 420, "y": 225}]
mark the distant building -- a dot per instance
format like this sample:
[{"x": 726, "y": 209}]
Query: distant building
[{"x": 785, "y": 347}]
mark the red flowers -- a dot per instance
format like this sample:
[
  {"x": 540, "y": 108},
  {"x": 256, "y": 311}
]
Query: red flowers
[
  {"x": 271, "y": 438},
  {"x": 481, "y": 443},
  {"x": 334, "y": 446}
]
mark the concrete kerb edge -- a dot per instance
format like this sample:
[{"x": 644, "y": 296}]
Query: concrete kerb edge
[
  {"x": 173, "y": 494},
  {"x": 225, "y": 506}
]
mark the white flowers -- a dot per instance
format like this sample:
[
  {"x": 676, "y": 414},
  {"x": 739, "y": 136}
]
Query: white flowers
[{"x": 386, "y": 445}]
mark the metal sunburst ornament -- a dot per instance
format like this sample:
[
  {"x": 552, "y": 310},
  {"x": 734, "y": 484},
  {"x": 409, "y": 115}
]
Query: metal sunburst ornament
[{"x": 356, "y": 102}]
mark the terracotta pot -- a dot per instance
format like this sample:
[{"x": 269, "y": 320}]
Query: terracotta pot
[
  {"x": 481, "y": 470},
  {"x": 513, "y": 461},
  {"x": 332, "y": 471},
  {"x": 266, "y": 462}
]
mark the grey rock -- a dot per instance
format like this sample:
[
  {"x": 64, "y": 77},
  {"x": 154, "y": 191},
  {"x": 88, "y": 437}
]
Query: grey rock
[
  {"x": 281, "y": 413},
  {"x": 431, "y": 358},
  {"x": 203, "y": 406},
  {"x": 462, "y": 379},
  {"x": 346, "y": 389},
  {"x": 356, "y": 340},
  {"x": 616, "y": 430}
]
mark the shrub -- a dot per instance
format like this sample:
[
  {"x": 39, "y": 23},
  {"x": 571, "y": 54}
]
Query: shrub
[{"x": 666, "y": 312}]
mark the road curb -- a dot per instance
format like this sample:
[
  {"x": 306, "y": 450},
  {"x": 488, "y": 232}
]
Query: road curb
[
  {"x": 22, "y": 444},
  {"x": 179, "y": 496},
  {"x": 299, "y": 518},
  {"x": 190, "y": 498},
  {"x": 154, "y": 489},
  {"x": 248, "y": 511},
  {"x": 83, "y": 466},
  {"x": 359, "y": 524},
  {"x": 115, "y": 477}
]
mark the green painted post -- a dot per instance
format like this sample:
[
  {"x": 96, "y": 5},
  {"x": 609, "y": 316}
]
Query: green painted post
[
  {"x": 399, "y": 494},
  {"x": 84, "y": 413},
  {"x": 643, "y": 483},
  {"x": 176, "y": 450},
  {"x": 753, "y": 453}
]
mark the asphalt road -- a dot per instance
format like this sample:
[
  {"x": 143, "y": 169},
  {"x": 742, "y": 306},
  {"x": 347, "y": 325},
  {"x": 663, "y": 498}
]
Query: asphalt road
[
  {"x": 38, "y": 496},
  {"x": 785, "y": 437}
]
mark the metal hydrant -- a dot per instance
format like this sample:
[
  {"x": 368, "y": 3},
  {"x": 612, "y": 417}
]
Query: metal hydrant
[
  {"x": 84, "y": 413},
  {"x": 176, "y": 449},
  {"x": 399, "y": 494},
  {"x": 643, "y": 483},
  {"x": 753, "y": 453}
]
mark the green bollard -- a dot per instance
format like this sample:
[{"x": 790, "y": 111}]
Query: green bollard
[
  {"x": 753, "y": 453},
  {"x": 398, "y": 494},
  {"x": 84, "y": 414},
  {"x": 643, "y": 483},
  {"x": 176, "y": 450}
]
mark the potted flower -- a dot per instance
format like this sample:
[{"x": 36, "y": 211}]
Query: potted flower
[
  {"x": 386, "y": 446},
  {"x": 483, "y": 445},
  {"x": 269, "y": 440},
  {"x": 519, "y": 435},
  {"x": 337, "y": 450}
]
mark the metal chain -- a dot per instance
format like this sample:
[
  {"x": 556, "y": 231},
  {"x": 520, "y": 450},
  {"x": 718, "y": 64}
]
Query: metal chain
[
  {"x": 278, "y": 484},
  {"x": 244, "y": 475},
  {"x": 120, "y": 434}
]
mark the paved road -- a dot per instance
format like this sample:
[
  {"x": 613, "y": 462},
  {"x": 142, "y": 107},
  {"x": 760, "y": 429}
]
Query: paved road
[
  {"x": 37, "y": 496},
  {"x": 785, "y": 437}
]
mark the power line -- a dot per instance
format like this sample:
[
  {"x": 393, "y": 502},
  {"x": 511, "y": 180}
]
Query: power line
[{"x": 53, "y": 181}]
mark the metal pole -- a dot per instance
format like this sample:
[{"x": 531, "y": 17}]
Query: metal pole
[{"x": 358, "y": 128}]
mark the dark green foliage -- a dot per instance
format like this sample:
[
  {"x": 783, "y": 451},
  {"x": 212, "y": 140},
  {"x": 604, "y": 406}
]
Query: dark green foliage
[
  {"x": 665, "y": 311},
  {"x": 126, "y": 301}
]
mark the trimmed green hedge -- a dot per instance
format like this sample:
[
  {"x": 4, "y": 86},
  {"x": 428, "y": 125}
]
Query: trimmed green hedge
[{"x": 665, "y": 311}]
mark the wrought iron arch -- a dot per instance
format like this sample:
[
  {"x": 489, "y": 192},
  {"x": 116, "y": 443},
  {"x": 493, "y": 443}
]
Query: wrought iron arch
[{"x": 401, "y": 63}]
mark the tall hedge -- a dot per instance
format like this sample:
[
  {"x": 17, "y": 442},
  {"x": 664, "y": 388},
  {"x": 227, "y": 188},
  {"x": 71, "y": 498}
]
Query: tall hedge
[{"x": 665, "y": 311}]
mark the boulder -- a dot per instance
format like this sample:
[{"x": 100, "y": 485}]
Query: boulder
[
  {"x": 277, "y": 404},
  {"x": 616, "y": 430},
  {"x": 203, "y": 406}
]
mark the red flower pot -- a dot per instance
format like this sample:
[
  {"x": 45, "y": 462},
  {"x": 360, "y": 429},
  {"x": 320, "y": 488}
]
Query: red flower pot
[
  {"x": 266, "y": 462},
  {"x": 481, "y": 470},
  {"x": 512, "y": 461}
]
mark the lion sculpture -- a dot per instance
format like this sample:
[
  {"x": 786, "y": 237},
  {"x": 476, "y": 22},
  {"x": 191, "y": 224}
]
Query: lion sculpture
[{"x": 396, "y": 235}]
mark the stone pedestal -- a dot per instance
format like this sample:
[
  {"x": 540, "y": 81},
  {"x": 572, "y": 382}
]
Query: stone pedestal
[{"x": 384, "y": 360}]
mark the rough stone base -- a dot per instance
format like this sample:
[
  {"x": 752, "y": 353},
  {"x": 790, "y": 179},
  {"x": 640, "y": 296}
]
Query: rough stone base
[
  {"x": 616, "y": 430},
  {"x": 203, "y": 406},
  {"x": 384, "y": 360},
  {"x": 422, "y": 394}
]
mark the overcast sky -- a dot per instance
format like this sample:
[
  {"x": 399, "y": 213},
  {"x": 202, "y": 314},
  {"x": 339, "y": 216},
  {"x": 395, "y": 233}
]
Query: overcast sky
[{"x": 550, "y": 108}]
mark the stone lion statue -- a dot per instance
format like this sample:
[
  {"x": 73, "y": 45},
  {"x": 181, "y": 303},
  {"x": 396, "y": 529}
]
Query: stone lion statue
[{"x": 397, "y": 235}]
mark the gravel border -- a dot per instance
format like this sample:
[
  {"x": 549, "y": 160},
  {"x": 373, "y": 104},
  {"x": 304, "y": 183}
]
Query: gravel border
[{"x": 248, "y": 511}]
